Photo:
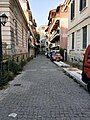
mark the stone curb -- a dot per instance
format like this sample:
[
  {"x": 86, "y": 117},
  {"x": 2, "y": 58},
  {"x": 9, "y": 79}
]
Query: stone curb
[{"x": 75, "y": 74}]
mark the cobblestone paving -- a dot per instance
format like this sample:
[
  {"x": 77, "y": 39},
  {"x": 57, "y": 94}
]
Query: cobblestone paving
[{"x": 43, "y": 92}]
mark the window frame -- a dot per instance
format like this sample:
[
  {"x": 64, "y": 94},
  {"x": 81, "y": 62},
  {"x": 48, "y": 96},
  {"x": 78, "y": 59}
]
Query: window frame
[
  {"x": 16, "y": 32},
  {"x": 72, "y": 9},
  {"x": 82, "y": 4},
  {"x": 73, "y": 40},
  {"x": 84, "y": 45}
]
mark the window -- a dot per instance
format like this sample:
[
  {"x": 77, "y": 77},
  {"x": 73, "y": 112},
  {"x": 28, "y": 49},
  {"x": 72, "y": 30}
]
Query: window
[
  {"x": 16, "y": 32},
  {"x": 84, "y": 37},
  {"x": 12, "y": 41},
  {"x": 23, "y": 56},
  {"x": 72, "y": 9},
  {"x": 17, "y": 59},
  {"x": 73, "y": 40},
  {"x": 82, "y": 4},
  {"x": 22, "y": 36}
]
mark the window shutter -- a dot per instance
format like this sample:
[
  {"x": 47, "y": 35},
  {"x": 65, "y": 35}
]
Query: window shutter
[
  {"x": 84, "y": 4},
  {"x": 73, "y": 40},
  {"x": 80, "y": 5},
  {"x": 71, "y": 11},
  {"x": 73, "y": 7},
  {"x": 84, "y": 37}
]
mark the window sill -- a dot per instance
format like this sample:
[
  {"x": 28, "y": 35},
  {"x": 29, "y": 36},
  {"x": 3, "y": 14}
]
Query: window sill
[
  {"x": 71, "y": 50},
  {"x": 83, "y": 49}
]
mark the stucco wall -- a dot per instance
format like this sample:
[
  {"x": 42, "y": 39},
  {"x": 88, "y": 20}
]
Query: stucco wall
[
  {"x": 15, "y": 14},
  {"x": 81, "y": 19}
]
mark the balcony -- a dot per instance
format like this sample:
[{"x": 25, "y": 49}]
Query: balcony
[
  {"x": 55, "y": 24},
  {"x": 55, "y": 36}
]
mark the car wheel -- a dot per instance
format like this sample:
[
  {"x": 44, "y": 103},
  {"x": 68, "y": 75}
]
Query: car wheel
[
  {"x": 88, "y": 86},
  {"x": 84, "y": 78}
]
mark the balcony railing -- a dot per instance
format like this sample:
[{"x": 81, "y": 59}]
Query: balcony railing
[{"x": 54, "y": 35}]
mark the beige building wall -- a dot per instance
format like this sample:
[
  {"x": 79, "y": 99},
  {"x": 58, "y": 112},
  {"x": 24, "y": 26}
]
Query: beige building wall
[
  {"x": 14, "y": 33},
  {"x": 81, "y": 19},
  {"x": 24, "y": 7},
  {"x": 28, "y": 14}
]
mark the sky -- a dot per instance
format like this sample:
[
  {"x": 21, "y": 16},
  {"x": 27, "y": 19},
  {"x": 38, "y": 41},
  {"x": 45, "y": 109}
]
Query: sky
[{"x": 40, "y": 9}]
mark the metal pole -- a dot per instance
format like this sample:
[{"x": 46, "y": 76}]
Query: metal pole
[{"x": 0, "y": 49}]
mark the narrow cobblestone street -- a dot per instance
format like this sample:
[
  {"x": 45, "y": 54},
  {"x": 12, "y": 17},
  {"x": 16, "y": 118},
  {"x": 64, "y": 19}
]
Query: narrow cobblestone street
[{"x": 43, "y": 92}]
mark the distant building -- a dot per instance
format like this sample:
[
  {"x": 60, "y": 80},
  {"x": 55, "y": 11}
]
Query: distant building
[
  {"x": 43, "y": 38},
  {"x": 41, "y": 31}
]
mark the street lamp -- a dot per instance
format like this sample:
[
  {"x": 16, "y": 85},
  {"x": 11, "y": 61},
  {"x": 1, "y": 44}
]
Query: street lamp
[{"x": 3, "y": 20}]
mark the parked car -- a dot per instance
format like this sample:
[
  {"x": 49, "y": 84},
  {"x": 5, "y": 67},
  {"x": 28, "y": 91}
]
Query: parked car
[
  {"x": 58, "y": 57},
  {"x": 47, "y": 54},
  {"x": 55, "y": 55},
  {"x": 86, "y": 68}
]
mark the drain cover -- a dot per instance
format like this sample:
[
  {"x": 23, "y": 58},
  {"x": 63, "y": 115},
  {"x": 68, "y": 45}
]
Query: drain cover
[{"x": 17, "y": 84}]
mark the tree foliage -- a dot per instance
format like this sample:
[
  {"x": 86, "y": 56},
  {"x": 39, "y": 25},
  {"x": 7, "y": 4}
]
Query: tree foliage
[{"x": 37, "y": 36}]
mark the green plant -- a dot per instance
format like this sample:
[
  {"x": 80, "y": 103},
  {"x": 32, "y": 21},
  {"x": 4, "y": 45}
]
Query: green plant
[
  {"x": 30, "y": 58},
  {"x": 22, "y": 63},
  {"x": 5, "y": 77},
  {"x": 3, "y": 81},
  {"x": 9, "y": 75},
  {"x": 14, "y": 66},
  {"x": 62, "y": 51}
]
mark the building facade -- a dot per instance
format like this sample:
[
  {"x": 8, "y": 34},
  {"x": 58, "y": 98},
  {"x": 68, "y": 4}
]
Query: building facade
[
  {"x": 17, "y": 31},
  {"x": 78, "y": 29},
  {"x": 57, "y": 27},
  {"x": 43, "y": 38},
  {"x": 32, "y": 26}
]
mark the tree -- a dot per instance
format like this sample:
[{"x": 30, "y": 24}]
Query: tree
[{"x": 37, "y": 36}]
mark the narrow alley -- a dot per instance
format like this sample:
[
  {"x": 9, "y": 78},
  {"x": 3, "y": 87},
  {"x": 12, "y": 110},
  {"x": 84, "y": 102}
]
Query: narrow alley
[{"x": 43, "y": 92}]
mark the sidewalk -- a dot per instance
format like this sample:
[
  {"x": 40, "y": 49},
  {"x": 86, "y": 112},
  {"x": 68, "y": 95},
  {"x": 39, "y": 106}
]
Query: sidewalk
[{"x": 75, "y": 73}]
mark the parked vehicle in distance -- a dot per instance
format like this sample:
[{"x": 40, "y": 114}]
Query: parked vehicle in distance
[
  {"x": 47, "y": 54},
  {"x": 56, "y": 56},
  {"x": 52, "y": 57},
  {"x": 86, "y": 68}
]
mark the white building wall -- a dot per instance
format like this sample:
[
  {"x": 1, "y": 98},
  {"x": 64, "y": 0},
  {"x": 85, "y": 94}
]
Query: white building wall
[
  {"x": 81, "y": 19},
  {"x": 88, "y": 34}
]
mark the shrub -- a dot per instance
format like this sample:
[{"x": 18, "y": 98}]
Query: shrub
[
  {"x": 62, "y": 52},
  {"x": 22, "y": 63},
  {"x": 30, "y": 58},
  {"x": 14, "y": 67},
  {"x": 3, "y": 81},
  {"x": 9, "y": 75},
  {"x": 5, "y": 78}
]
